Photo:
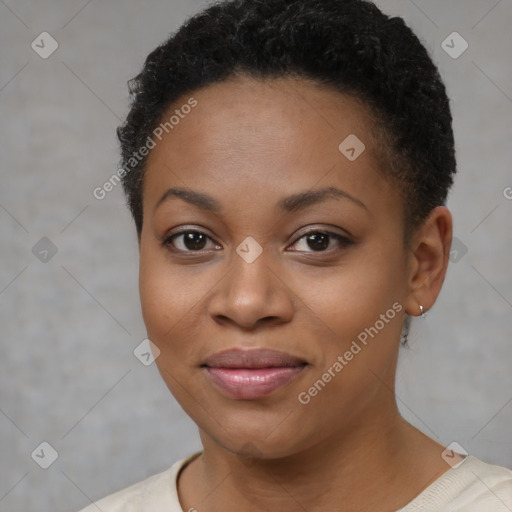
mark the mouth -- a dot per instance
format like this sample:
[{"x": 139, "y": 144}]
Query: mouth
[{"x": 251, "y": 373}]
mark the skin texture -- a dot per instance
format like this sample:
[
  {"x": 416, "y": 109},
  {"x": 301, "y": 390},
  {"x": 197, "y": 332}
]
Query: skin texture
[{"x": 248, "y": 144}]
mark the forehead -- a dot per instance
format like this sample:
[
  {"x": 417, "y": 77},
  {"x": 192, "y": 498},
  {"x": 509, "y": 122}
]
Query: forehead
[{"x": 257, "y": 140}]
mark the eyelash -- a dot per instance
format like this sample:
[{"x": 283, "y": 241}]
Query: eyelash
[{"x": 342, "y": 240}]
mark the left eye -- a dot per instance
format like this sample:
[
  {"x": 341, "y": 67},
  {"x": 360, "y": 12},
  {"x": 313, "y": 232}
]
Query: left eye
[{"x": 319, "y": 241}]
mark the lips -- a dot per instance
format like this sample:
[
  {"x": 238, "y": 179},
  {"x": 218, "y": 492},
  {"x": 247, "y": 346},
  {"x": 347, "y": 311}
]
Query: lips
[
  {"x": 252, "y": 358},
  {"x": 251, "y": 373}
]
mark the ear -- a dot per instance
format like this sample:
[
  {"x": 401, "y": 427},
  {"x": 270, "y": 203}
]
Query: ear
[{"x": 428, "y": 260}]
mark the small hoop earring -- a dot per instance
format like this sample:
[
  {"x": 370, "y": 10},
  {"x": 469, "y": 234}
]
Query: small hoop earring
[{"x": 423, "y": 315}]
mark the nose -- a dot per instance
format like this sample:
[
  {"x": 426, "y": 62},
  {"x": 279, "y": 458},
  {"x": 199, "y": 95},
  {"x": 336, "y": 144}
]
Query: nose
[{"x": 250, "y": 295}]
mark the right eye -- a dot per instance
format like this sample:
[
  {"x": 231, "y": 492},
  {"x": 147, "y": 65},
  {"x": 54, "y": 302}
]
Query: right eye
[{"x": 188, "y": 241}]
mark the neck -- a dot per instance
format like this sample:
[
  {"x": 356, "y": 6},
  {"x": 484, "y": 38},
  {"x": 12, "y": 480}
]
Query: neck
[{"x": 364, "y": 467}]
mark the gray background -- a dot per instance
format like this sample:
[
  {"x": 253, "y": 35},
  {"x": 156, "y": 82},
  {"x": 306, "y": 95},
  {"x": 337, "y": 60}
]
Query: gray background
[{"x": 69, "y": 326}]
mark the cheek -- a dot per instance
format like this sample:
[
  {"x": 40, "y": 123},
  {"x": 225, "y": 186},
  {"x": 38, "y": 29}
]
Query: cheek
[
  {"x": 156, "y": 299},
  {"x": 163, "y": 295},
  {"x": 351, "y": 297},
  {"x": 168, "y": 313},
  {"x": 357, "y": 313},
  {"x": 173, "y": 301}
]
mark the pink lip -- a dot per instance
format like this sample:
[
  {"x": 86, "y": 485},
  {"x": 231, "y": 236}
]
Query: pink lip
[{"x": 253, "y": 373}]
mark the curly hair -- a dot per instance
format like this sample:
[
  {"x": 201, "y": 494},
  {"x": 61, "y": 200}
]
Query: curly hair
[{"x": 348, "y": 45}]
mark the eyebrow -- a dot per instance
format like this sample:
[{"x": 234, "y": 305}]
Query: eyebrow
[{"x": 289, "y": 204}]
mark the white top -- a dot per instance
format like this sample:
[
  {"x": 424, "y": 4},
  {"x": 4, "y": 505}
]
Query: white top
[{"x": 472, "y": 486}]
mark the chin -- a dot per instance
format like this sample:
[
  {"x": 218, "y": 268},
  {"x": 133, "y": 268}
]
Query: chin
[{"x": 259, "y": 439}]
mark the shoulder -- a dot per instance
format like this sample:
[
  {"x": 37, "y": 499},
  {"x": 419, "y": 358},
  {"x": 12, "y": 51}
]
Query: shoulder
[
  {"x": 156, "y": 493},
  {"x": 489, "y": 486},
  {"x": 472, "y": 486}
]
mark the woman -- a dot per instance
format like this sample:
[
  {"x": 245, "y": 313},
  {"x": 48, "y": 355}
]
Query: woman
[{"x": 287, "y": 164}]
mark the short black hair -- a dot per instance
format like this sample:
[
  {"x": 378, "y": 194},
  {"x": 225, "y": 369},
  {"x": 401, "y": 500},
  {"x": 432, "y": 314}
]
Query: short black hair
[{"x": 348, "y": 45}]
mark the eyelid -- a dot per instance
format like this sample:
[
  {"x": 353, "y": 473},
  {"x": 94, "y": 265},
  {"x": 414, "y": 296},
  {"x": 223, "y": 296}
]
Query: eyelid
[
  {"x": 187, "y": 228},
  {"x": 325, "y": 228}
]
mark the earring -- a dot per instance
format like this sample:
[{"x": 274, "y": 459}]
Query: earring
[{"x": 423, "y": 315}]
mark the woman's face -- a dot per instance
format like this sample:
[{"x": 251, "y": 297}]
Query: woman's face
[{"x": 261, "y": 275}]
